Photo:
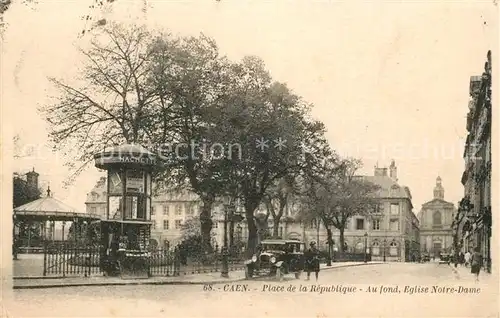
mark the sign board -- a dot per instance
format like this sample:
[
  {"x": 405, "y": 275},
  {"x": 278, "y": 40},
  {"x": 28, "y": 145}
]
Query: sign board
[
  {"x": 122, "y": 159},
  {"x": 115, "y": 183},
  {"x": 135, "y": 181}
]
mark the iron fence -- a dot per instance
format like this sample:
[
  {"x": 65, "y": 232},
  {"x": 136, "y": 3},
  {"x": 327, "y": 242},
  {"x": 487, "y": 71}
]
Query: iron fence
[
  {"x": 352, "y": 257},
  {"x": 68, "y": 259},
  {"x": 170, "y": 262}
]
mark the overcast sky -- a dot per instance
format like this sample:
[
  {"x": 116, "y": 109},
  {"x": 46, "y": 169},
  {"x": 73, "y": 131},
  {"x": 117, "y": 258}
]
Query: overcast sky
[{"x": 389, "y": 81}]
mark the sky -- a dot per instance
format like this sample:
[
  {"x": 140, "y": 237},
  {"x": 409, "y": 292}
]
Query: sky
[{"x": 389, "y": 80}]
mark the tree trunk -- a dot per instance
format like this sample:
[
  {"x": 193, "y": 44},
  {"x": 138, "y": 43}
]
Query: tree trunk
[
  {"x": 304, "y": 237},
  {"x": 231, "y": 233},
  {"x": 252, "y": 236},
  {"x": 206, "y": 223},
  {"x": 252, "y": 228},
  {"x": 342, "y": 241},
  {"x": 276, "y": 226},
  {"x": 277, "y": 219}
]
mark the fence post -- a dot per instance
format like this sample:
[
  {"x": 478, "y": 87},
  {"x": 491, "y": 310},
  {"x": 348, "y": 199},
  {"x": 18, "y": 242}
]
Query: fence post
[
  {"x": 45, "y": 258},
  {"x": 177, "y": 261},
  {"x": 65, "y": 258},
  {"x": 89, "y": 257}
]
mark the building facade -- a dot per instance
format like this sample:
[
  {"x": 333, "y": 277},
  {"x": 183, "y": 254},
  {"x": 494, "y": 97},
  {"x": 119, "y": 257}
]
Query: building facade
[
  {"x": 474, "y": 231},
  {"x": 436, "y": 220},
  {"x": 170, "y": 211},
  {"x": 392, "y": 230}
]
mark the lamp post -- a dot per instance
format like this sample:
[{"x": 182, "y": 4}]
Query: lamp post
[
  {"x": 330, "y": 242},
  {"x": 239, "y": 231},
  {"x": 225, "y": 262},
  {"x": 366, "y": 246}
]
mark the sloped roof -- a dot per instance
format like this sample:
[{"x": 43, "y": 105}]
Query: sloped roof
[
  {"x": 437, "y": 201},
  {"x": 389, "y": 188},
  {"x": 53, "y": 208}
]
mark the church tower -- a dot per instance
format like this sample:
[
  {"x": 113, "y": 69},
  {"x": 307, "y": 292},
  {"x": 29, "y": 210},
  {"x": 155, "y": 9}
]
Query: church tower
[{"x": 438, "y": 189}]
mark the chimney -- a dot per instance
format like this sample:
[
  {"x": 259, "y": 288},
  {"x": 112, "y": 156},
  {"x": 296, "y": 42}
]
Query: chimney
[
  {"x": 380, "y": 172},
  {"x": 393, "y": 171},
  {"x": 32, "y": 179}
]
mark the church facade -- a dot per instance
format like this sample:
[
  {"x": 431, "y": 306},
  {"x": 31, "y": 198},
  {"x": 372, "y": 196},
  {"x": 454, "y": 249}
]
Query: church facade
[{"x": 436, "y": 218}]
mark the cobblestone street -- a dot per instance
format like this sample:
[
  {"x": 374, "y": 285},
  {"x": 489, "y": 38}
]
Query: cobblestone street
[{"x": 193, "y": 301}]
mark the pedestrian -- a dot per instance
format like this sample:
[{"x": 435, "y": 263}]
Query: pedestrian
[
  {"x": 467, "y": 258},
  {"x": 312, "y": 260},
  {"x": 461, "y": 258},
  {"x": 476, "y": 263}
]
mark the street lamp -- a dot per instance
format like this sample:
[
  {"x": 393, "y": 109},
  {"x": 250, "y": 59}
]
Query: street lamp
[
  {"x": 225, "y": 262},
  {"x": 330, "y": 242},
  {"x": 366, "y": 246}
]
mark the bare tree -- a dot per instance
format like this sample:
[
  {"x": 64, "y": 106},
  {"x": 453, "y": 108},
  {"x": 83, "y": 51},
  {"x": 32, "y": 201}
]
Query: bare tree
[
  {"x": 277, "y": 198},
  {"x": 337, "y": 196},
  {"x": 111, "y": 102}
]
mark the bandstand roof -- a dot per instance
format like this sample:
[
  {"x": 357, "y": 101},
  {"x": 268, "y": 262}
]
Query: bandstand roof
[{"x": 49, "y": 208}]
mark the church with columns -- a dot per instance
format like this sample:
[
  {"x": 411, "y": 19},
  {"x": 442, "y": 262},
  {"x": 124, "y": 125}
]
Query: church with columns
[{"x": 436, "y": 218}]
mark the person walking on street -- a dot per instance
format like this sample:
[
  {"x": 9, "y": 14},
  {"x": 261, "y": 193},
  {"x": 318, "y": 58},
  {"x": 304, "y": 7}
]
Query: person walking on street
[
  {"x": 461, "y": 259},
  {"x": 312, "y": 260},
  {"x": 476, "y": 263},
  {"x": 467, "y": 259}
]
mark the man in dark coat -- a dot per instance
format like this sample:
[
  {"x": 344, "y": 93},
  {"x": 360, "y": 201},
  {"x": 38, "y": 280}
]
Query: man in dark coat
[
  {"x": 476, "y": 263},
  {"x": 312, "y": 260}
]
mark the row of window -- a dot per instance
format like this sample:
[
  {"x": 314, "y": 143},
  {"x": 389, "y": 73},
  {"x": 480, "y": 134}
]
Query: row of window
[
  {"x": 379, "y": 208},
  {"x": 190, "y": 210},
  {"x": 377, "y": 250},
  {"x": 360, "y": 224},
  {"x": 393, "y": 224},
  {"x": 165, "y": 209},
  {"x": 166, "y": 224},
  {"x": 178, "y": 225}
]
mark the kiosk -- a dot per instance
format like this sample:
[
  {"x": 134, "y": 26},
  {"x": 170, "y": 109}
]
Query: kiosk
[{"x": 126, "y": 229}]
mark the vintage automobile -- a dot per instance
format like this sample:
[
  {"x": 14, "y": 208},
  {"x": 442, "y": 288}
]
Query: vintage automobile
[
  {"x": 444, "y": 258},
  {"x": 276, "y": 258},
  {"x": 425, "y": 258}
]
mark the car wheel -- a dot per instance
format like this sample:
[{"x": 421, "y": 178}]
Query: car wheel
[{"x": 297, "y": 275}]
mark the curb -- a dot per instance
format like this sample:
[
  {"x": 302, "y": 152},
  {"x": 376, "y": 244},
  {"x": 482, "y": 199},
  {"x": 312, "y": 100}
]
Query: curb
[
  {"x": 350, "y": 265},
  {"x": 129, "y": 283}
]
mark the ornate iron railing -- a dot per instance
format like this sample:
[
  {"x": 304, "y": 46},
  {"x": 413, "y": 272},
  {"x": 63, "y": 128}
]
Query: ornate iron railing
[{"x": 69, "y": 259}]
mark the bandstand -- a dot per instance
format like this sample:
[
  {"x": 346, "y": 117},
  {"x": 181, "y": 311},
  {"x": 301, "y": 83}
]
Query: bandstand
[{"x": 51, "y": 219}]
